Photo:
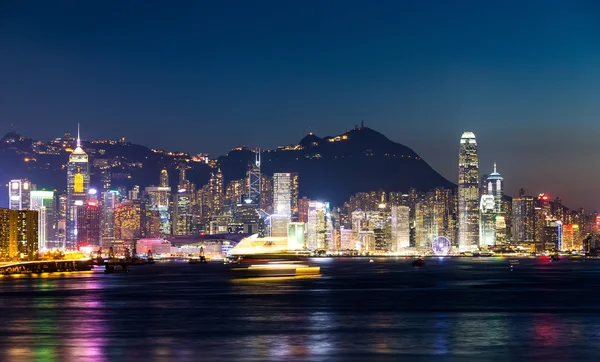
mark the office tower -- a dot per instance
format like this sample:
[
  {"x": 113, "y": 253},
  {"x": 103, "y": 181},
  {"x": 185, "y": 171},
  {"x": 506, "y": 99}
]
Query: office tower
[
  {"x": 157, "y": 199},
  {"x": 88, "y": 221},
  {"x": 294, "y": 189},
  {"x": 266, "y": 194},
  {"x": 107, "y": 219},
  {"x": 215, "y": 183},
  {"x": 150, "y": 223},
  {"x": 18, "y": 235},
  {"x": 495, "y": 188},
  {"x": 43, "y": 202},
  {"x": 247, "y": 218},
  {"x": 254, "y": 180},
  {"x": 487, "y": 221},
  {"x": 128, "y": 221},
  {"x": 295, "y": 236},
  {"x": 18, "y": 193},
  {"x": 182, "y": 213},
  {"x": 105, "y": 179},
  {"x": 78, "y": 184},
  {"x": 183, "y": 182},
  {"x": 400, "y": 227},
  {"x": 282, "y": 194},
  {"x": 279, "y": 225},
  {"x": 303, "y": 210},
  {"x": 523, "y": 210},
  {"x": 61, "y": 225},
  {"x": 234, "y": 192},
  {"x": 134, "y": 194},
  {"x": 318, "y": 226},
  {"x": 468, "y": 193},
  {"x": 164, "y": 178}
]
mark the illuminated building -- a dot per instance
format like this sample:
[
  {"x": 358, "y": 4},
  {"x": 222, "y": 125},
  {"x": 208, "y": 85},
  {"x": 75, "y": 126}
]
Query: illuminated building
[
  {"x": 88, "y": 221},
  {"x": 216, "y": 192},
  {"x": 18, "y": 192},
  {"x": 294, "y": 189},
  {"x": 495, "y": 188},
  {"x": 134, "y": 194},
  {"x": 128, "y": 221},
  {"x": 571, "y": 238},
  {"x": 468, "y": 193},
  {"x": 346, "y": 239},
  {"x": 61, "y": 225},
  {"x": 282, "y": 193},
  {"x": 295, "y": 236},
  {"x": 255, "y": 180},
  {"x": 78, "y": 184},
  {"x": 164, "y": 179},
  {"x": 18, "y": 235},
  {"x": 151, "y": 227},
  {"x": 317, "y": 228},
  {"x": 266, "y": 194},
  {"x": 523, "y": 219},
  {"x": 157, "y": 199},
  {"x": 182, "y": 213},
  {"x": 500, "y": 224},
  {"x": 234, "y": 192},
  {"x": 107, "y": 219},
  {"x": 247, "y": 217},
  {"x": 400, "y": 225},
  {"x": 303, "y": 209},
  {"x": 552, "y": 238},
  {"x": 279, "y": 225},
  {"x": 428, "y": 223},
  {"x": 43, "y": 202},
  {"x": 487, "y": 221}
]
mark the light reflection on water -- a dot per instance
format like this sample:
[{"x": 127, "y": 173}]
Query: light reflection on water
[{"x": 357, "y": 311}]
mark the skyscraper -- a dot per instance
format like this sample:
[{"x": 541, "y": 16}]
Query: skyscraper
[
  {"x": 282, "y": 194},
  {"x": 78, "y": 185},
  {"x": 468, "y": 193},
  {"x": 487, "y": 221},
  {"x": 18, "y": 193},
  {"x": 164, "y": 178},
  {"x": 43, "y": 202},
  {"x": 254, "y": 180},
  {"x": 107, "y": 219},
  {"x": 318, "y": 226},
  {"x": 495, "y": 187},
  {"x": 18, "y": 234}
]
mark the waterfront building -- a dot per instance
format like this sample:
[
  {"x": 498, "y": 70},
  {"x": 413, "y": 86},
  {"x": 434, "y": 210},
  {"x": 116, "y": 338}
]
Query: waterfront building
[
  {"x": 44, "y": 203},
  {"x": 318, "y": 226},
  {"x": 523, "y": 211},
  {"x": 78, "y": 185},
  {"x": 468, "y": 193},
  {"x": 295, "y": 236},
  {"x": 400, "y": 227},
  {"x": 487, "y": 221},
  {"x": 182, "y": 213},
  {"x": 19, "y": 194},
  {"x": 18, "y": 235},
  {"x": 107, "y": 219}
]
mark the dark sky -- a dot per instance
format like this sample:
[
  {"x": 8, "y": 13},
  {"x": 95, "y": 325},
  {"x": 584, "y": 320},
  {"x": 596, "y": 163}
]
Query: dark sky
[{"x": 204, "y": 76}]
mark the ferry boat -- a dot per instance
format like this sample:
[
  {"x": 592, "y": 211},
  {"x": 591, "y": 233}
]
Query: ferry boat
[{"x": 272, "y": 265}]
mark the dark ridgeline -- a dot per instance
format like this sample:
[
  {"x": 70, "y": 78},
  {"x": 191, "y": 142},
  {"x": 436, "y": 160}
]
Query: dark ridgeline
[
  {"x": 334, "y": 168},
  {"x": 330, "y": 168}
]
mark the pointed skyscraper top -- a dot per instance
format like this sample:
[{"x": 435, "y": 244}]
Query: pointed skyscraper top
[
  {"x": 494, "y": 166},
  {"x": 78, "y": 139}
]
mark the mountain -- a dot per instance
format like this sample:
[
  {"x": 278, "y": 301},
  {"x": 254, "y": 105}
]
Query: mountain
[
  {"x": 333, "y": 168},
  {"x": 329, "y": 168}
]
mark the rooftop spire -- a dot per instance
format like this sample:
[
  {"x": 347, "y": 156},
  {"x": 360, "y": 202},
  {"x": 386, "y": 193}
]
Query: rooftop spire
[
  {"x": 78, "y": 139},
  {"x": 494, "y": 166}
]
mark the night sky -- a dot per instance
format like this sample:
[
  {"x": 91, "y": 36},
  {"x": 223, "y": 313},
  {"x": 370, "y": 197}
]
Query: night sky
[{"x": 199, "y": 76}]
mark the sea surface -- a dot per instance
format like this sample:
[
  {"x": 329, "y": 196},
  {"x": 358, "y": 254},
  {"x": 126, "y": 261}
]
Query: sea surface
[{"x": 463, "y": 309}]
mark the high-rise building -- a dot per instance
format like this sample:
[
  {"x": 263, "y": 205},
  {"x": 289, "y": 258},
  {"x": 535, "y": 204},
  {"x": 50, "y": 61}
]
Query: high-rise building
[
  {"x": 266, "y": 194},
  {"x": 318, "y": 226},
  {"x": 523, "y": 210},
  {"x": 254, "y": 180},
  {"x": 182, "y": 213},
  {"x": 88, "y": 221},
  {"x": 216, "y": 192},
  {"x": 495, "y": 188},
  {"x": 78, "y": 185},
  {"x": 468, "y": 193},
  {"x": 295, "y": 236},
  {"x": 164, "y": 178},
  {"x": 18, "y": 234},
  {"x": 128, "y": 221},
  {"x": 303, "y": 209},
  {"x": 487, "y": 221},
  {"x": 157, "y": 199},
  {"x": 294, "y": 189},
  {"x": 44, "y": 203},
  {"x": 107, "y": 219},
  {"x": 18, "y": 193},
  {"x": 279, "y": 225},
  {"x": 282, "y": 194},
  {"x": 400, "y": 224}
]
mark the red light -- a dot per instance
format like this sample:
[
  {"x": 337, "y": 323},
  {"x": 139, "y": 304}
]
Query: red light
[
  {"x": 92, "y": 203},
  {"x": 545, "y": 198},
  {"x": 201, "y": 234}
]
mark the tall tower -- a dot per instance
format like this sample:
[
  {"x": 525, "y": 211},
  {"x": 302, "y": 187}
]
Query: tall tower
[
  {"x": 164, "y": 178},
  {"x": 19, "y": 192},
  {"x": 78, "y": 185},
  {"x": 495, "y": 187},
  {"x": 468, "y": 193},
  {"x": 254, "y": 180}
]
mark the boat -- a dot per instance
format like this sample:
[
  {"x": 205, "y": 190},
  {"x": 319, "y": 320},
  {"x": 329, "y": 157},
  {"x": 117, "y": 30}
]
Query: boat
[
  {"x": 418, "y": 263},
  {"x": 197, "y": 260},
  {"x": 272, "y": 265}
]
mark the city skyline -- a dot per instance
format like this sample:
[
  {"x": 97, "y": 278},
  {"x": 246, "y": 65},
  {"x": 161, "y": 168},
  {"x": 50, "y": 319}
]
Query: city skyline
[{"x": 268, "y": 73}]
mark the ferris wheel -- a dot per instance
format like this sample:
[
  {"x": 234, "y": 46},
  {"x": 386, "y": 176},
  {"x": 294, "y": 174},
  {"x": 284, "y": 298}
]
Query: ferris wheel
[{"x": 441, "y": 245}]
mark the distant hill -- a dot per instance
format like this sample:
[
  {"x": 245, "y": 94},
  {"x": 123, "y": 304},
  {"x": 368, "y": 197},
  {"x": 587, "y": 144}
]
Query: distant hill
[
  {"x": 333, "y": 168},
  {"x": 330, "y": 168}
]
